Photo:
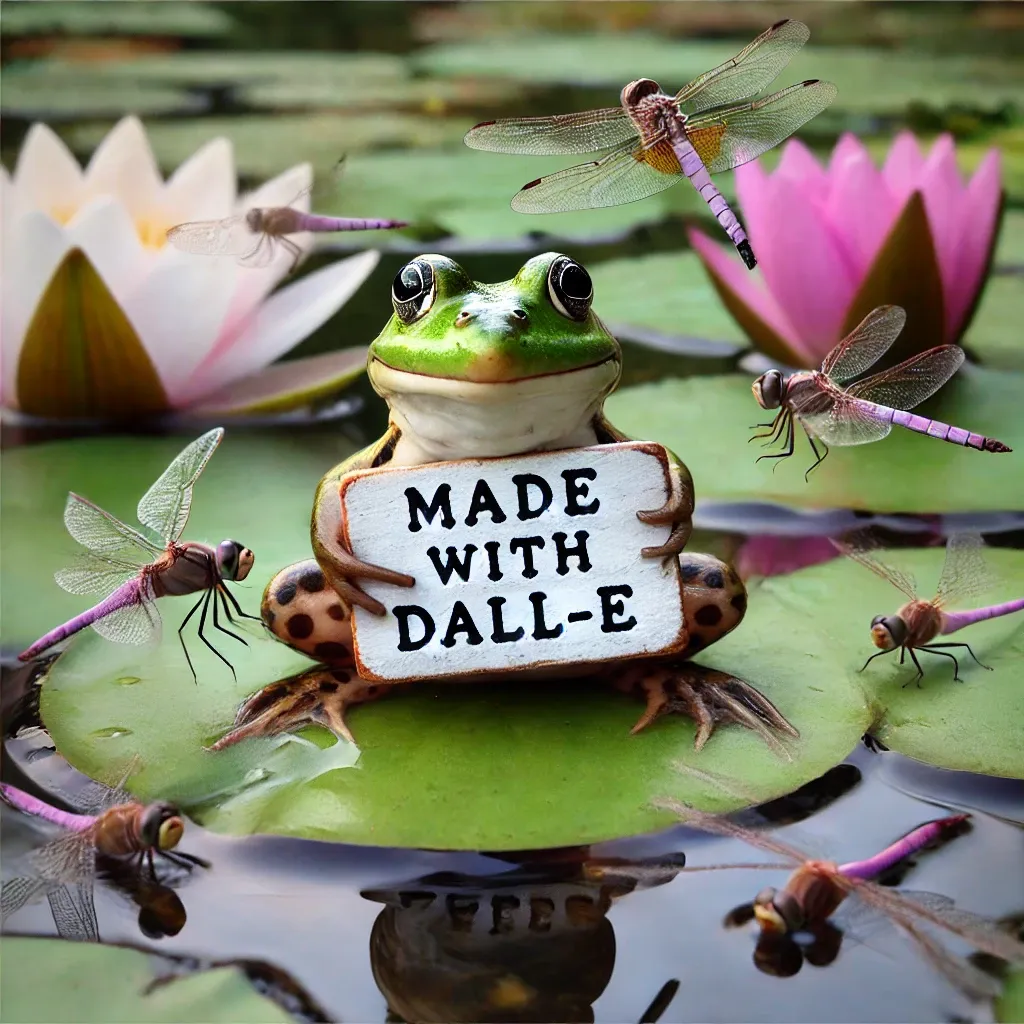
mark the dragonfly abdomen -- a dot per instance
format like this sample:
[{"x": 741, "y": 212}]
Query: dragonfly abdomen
[
  {"x": 316, "y": 222},
  {"x": 952, "y": 621},
  {"x": 943, "y": 431}
]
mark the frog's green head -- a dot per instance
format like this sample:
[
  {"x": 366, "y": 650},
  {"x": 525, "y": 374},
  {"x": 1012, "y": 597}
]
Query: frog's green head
[{"x": 450, "y": 327}]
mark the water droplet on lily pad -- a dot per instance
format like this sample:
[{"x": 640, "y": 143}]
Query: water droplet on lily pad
[
  {"x": 128, "y": 680},
  {"x": 111, "y": 732}
]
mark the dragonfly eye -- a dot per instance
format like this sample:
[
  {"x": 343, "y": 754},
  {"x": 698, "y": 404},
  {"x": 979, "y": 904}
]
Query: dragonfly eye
[
  {"x": 413, "y": 291},
  {"x": 570, "y": 288},
  {"x": 153, "y": 828},
  {"x": 888, "y": 631},
  {"x": 768, "y": 389}
]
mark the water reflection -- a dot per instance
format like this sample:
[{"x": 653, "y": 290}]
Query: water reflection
[{"x": 531, "y": 944}]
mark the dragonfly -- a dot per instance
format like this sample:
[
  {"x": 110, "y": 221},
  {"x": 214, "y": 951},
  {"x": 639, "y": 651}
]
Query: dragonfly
[
  {"x": 653, "y": 140},
  {"x": 816, "y": 889},
  {"x": 65, "y": 869},
  {"x": 133, "y": 571},
  {"x": 253, "y": 236},
  {"x": 918, "y": 623},
  {"x": 833, "y": 411}
]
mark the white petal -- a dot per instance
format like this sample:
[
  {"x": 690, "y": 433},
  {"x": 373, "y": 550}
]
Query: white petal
[
  {"x": 203, "y": 187},
  {"x": 178, "y": 312},
  {"x": 124, "y": 166},
  {"x": 106, "y": 233},
  {"x": 287, "y": 189},
  {"x": 288, "y": 317},
  {"x": 46, "y": 175},
  {"x": 36, "y": 245}
]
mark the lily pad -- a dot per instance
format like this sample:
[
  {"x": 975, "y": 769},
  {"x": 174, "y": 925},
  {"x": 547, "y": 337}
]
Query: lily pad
[
  {"x": 973, "y": 725},
  {"x": 869, "y": 80},
  {"x": 49, "y": 980},
  {"x": 995, "y": 335},
  {"x": 1010, "y": 247},
  {"x": 1010, "y": 1004},
  {"x": 706, "y": 421},
  {"x": 170, "y": 18}
]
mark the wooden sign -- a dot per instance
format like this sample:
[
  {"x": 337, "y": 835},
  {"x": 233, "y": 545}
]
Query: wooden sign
[{"x": 519, "y": 562}]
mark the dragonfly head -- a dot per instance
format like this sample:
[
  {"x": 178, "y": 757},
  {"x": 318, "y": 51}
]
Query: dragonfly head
[
  {"x": 254, "y": 220},
  {"x": 777, "y": 912},
  {"x": 633, "y": 93},
  {"x": 888, "y": 632},
  {"x": 768, "y": 389},
  {"x": 162, "y": 826},
  {"x": 234, "y": 560}
]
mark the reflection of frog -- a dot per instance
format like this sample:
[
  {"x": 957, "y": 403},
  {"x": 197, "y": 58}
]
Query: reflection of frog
[{"x": 475, "y": 370}]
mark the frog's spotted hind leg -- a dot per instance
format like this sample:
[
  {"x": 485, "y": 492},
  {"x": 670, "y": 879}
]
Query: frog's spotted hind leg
[
  {"x": 302, "y": 611},
  {"x": 714, "y": 599},
  {"x": 709, "y": 697},
  {"x": 319, "y": 696}
]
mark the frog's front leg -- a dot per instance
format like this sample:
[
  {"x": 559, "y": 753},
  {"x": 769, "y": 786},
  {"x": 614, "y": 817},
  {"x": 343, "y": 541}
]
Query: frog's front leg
[
  {"x": 714, "y": 603},
  {"x": 677, "y": 512}
]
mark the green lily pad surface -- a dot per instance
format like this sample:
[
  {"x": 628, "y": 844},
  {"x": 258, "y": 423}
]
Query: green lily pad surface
[
  {"x": 995, "y": 336},
  {"x": 1010, "y": 1004},
  {"x": 706, "y": 421},
  {"x": 52, "y": 980}
]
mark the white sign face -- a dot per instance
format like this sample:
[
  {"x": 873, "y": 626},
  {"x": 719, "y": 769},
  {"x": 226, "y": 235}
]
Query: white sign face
[{"x": 519, "y": 562}]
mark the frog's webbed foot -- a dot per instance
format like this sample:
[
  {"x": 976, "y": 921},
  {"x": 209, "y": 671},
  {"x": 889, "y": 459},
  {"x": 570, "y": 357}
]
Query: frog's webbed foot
[
  {"x": 319, "y": 696},
  {"x": 711, "y": 698}
]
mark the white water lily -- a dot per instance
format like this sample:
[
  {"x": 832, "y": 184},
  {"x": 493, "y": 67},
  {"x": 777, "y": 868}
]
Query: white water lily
[{"x": 102, "y": 319}]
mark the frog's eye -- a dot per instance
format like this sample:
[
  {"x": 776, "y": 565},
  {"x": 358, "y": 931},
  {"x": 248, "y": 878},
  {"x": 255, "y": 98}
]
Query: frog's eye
[
  {"x": 413, "y": 291},
  {"x": 570, "y": 288}
]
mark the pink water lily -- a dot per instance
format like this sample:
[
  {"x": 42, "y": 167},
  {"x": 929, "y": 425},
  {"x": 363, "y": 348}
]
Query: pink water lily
[
  {"x": 834, "y": 242},
  {"x": 103, "y": 320}
]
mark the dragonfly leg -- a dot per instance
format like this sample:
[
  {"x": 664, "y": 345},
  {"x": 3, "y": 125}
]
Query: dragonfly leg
[
  {"x": 181, "y": 638},
  {"x": 920, "y": 671},
  {"x": 946, "y": 654},
  {"x": 184, "y": 860},
  {"x": 820, "y": 458},
  {"x": 217, "y": 597},
  {"x": 931, "y": 647},
  {"x": 238, "y": 608},
  {"x": 295, "y": 251},
  {"x": 788, "y": 444},
  {"x": 878, "y": 655},
  {"x": 202, "y": 635},
  {"x": 774, "y": 427}
]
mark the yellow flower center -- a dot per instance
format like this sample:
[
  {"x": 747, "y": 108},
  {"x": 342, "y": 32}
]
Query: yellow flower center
[{"x": 152, "y": 233}]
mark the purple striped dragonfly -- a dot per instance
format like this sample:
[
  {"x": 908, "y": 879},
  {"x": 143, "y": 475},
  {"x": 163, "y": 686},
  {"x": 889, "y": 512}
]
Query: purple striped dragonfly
[
  {"x": 834, "y": 412},
  {"x": 653, "y": 140},
  {"x": 253, "y": 237},
  {"x": 119, "y": 829},
  {"x": 816, "y": 888},
  {"x": 134, "y": 571},
  {"x": 918, "y": 623}
]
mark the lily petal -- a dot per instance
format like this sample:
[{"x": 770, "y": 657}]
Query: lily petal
[
  {"x": 942, "y": 189},
  {"x": 203, "y": 187},
  {"x": 283, "y": 321},
  {"x": 848, "y": 147},
  {"x": 902, "y": 169},
  {"x": 979, "y": 217},
  {"x": 46, "y": 175},
  {"x": 800, "y": 165},
  {"x": 750, "y": 304},
  {"x": 124, "y": 166},
  {"x": 105, "y": 232},
  {"x": 805, "y": 268}
]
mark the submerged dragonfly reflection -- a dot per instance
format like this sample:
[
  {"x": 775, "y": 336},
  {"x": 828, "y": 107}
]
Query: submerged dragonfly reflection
[
  {"x": 654, "y": 140},
  {"x": 65, "y": 869}
]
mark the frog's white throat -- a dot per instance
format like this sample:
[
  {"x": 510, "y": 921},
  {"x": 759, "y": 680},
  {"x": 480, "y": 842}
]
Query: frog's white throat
[{"x": 443, "y": 419}]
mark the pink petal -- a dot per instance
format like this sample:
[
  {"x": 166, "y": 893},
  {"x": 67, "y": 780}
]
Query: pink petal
[
  {"x": 847, "y": 147},
  {"x": 748, "y": 289},
  {"x": 284, "y": 320},
  {"x": 943, "y": 190},
  {"x": 776, "y": 556},
  {"x": 801, "y": 166},
  {"x": 978, "y": 215},
  {"x": 860, "y": 208},
  {"x": 124, "y": 166},
  {"x": 903, "y": 165},
  {"x": 805, "y": 268},
  {"x": 46, "y": 175},
  {"x": 203, "y": 187}
]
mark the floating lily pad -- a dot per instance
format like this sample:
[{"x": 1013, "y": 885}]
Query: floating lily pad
[
  {"x": 869, "y": 80},
  {"x": 1010, "y": 248},
  {"x": 1010, "y": 1004},
  {"x": 122, "y": 19},
  {"x": 995, "y": 335},
  {"x": 972, "y": 725},
  {"x": 49, "y": 980},
  {"x": 706, "y": 421}
]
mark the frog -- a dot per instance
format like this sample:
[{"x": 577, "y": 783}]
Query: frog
[{"x": 473, "y": 370}]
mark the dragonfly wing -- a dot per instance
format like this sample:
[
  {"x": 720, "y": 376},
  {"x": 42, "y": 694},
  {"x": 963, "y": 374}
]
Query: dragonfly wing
[
  {"x": 846, "y": 424},
  {"x": 751, "y": 70},
  {"x": 20, "y": 892},
  {"x": 104, "y": 534},
  {"x": 165, "y": 506},
  {"x": 913, "y": 380},
  {"x": 865, "y": 344},
  {"x": 94, "y": 575},
  {"x": 228, "y": 237},
  {"x": 562, "y": 134},
  {"x": 965, "y": 572},
  {"x": 74, "y": 912},
  {"x": 725, "y": 138},
  {"x": 863, "y": 546},
  {"x": 135, "y": 623},
  {"x": 620, "y": 177}
]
